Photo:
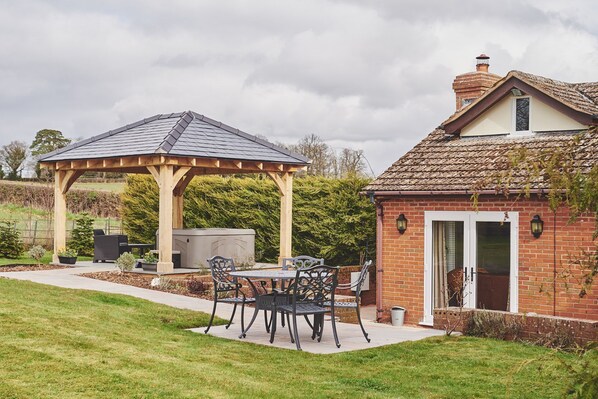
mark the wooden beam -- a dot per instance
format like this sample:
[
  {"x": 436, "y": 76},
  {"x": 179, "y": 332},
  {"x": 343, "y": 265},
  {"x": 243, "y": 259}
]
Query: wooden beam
[
  {"x": 278, "y": 181},
  {"x": 284, "y": 182},
  {"x": 179, "y": 174},
  {"x": 155, "y": 172},
  {"x": 286, "y": 216},
  {"x": 70, "y": 176},
  {"x": 165, "y": 183},
  {"x": 178, "y": 203},
  {"x": 180, "y": 187},
  {"x": 59, "y": 213}
]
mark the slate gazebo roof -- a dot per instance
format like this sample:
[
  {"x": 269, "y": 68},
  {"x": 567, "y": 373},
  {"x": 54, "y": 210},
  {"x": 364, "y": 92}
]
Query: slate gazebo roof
[
  {"x": 184, "y": 134},
  {"x": 174, "y": 148}
]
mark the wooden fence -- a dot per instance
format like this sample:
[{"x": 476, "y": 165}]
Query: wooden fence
[{"x": 41, "y": 231}]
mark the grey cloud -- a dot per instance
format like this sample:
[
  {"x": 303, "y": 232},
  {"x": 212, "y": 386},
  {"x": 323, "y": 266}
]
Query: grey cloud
[{"x": 374, "y": 75}]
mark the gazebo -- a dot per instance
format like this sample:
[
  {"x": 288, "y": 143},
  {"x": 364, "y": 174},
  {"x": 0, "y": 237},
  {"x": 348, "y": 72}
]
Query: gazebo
[{"x": 174, "y": 148}]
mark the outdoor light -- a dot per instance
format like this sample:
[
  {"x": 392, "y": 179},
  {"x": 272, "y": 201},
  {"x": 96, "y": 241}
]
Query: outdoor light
[
  {"x": 401, "y": 223},
  {"x": 516, "y": 92},
  {"x": 537, "y": 226}
]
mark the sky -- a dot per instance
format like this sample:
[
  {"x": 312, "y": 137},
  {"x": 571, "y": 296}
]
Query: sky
[{"x": 369, "y": 75}]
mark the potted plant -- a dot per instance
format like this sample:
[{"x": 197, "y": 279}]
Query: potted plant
[
  {"x": 150, "y": 262},
  {"x": 67, "y": 256}
]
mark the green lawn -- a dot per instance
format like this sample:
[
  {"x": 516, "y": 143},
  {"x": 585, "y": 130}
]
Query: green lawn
[
  {"x": 58, "y": 343},
  {"x": 21, "y": 213},
  {"x": 116, "y": 187},
  {"x": 26, "y": 260}
]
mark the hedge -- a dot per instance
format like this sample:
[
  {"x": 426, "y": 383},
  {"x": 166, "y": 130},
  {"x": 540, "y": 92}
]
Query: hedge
[
  {"x": 330, "y": 219},
  {"x": 96, "y": 203}
]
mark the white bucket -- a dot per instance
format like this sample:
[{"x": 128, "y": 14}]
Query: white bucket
[{"x": 397, "y": 315}]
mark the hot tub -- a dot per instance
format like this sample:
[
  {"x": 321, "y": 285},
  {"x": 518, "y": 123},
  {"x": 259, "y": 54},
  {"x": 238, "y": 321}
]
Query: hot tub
[{"x": 197, "y": 245}]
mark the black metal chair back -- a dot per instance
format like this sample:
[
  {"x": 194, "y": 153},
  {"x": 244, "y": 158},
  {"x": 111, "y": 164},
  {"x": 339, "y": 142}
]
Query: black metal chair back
[
  {"x": 301, "y": 262},
  {"x": 314, "y": 285},
  {"x": 358, "y": 284},
  {"x": 221, "y": 267}
]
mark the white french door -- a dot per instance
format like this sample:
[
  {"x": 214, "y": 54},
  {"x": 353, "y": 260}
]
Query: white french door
[{"x": 471, "y": 259}]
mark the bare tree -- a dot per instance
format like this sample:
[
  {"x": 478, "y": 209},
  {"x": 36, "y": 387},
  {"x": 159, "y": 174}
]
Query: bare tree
[
  {"x": 13, "y": 156},
  {"x": 321, "y": 155},
  {"x": 351, "y": 163}
]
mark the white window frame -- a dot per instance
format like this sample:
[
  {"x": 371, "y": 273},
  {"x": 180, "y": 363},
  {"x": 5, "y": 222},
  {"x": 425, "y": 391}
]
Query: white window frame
[
  {"x": 469, "y": 218},
  {"x": 514, "y": 131}
]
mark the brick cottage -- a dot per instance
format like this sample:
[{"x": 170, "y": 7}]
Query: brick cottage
[{"x": 448, "y": 253}]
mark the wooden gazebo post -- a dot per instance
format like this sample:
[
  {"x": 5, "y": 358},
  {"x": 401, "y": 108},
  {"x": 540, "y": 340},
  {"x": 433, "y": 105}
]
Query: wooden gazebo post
[
  {"x": 167, "y": 179},
  {"x": 63, "y": 180},
  {"x": 284, "y": 182}
]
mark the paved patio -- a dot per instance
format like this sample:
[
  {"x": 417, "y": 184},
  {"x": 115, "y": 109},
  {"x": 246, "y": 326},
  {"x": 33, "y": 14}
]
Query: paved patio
[{"x": 349, "y": 334}]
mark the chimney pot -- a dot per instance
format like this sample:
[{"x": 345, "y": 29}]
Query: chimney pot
[{"x": 482, "y": 63}]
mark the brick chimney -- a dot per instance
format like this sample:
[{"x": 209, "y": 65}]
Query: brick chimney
[{"x": 472, "y": 85}]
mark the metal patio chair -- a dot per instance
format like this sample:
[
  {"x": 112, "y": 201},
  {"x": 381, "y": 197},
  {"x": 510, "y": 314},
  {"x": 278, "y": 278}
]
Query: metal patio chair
[
  {"x": 224, "y": 286},
  {"x": 297, "y": 262},
  {"x": 311, "y": 288},
  {"x": 357, "y": 285}
]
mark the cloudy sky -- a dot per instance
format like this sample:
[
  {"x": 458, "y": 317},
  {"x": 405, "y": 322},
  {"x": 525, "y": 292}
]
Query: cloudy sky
[{"x": 371, "y": 75}]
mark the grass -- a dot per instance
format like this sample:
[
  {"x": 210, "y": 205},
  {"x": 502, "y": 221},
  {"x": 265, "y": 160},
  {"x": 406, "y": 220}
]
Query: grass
[
  {"x": 115, "y": 187},
  {"x": 59, "y": 343},
  {"x": 26, "y": 260},
  {"x": 21, "y": 213}
]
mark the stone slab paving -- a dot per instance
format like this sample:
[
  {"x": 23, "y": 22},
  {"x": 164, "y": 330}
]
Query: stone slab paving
[{"x": 349, "y": 334}]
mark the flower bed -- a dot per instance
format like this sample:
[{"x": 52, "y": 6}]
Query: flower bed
[{"x": 189, "y": 286}]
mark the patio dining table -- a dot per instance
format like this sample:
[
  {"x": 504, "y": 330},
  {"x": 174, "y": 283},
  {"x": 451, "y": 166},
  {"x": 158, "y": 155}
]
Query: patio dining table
[{"x": 264, "y": 300}]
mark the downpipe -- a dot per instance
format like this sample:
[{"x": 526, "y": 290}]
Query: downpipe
[{"x": 379, "y": 270}]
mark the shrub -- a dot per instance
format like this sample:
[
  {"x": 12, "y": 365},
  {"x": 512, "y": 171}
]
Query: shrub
[
  {"x": 330, "y": 219},
  {"x": 37, "y": 252},
  {"x": 494, "y": 325},
  {"x": 126, "y": 262},
  {"x": 82, "y": 235},
  {"x": 11, "y": 245}
]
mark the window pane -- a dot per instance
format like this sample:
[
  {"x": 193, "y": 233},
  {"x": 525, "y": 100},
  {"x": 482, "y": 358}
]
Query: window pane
[
  {"x": 447, "y": 247},
  {"x": 494, "y": 265},
  {"x": 522, "y": 114}
]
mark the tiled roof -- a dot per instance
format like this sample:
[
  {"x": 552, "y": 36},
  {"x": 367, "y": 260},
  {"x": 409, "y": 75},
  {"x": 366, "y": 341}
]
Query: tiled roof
[
  {"x": 185, "y": 134},
  {"x": 449, "y": 163},
  {"x": 582, "y": 97}
]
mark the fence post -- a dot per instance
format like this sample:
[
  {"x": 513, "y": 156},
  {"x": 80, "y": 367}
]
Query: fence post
[{"x": 34, "y": 233}]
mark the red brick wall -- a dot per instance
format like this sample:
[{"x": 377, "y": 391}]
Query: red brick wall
[{"x": 403, "y": 255}]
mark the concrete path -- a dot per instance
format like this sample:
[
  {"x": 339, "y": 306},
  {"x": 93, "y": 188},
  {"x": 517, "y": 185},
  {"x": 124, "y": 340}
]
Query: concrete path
[{"x": 349, "y": 334}]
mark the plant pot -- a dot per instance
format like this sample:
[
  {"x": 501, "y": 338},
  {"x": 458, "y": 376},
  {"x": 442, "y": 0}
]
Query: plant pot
[
  {"x": 149, "y": 267},
  {"x": 67, "y": 260}
]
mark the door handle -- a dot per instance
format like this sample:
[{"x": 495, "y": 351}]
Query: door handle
[
  {"x": 465, "y": 273},
  {"x": 471, "y": 274}
]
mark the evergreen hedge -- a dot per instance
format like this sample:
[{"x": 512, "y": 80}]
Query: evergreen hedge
[{"x": 330, "y": 219}]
